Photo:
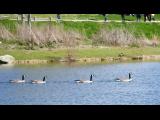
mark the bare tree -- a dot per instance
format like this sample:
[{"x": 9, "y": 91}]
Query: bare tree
[
  {"x": 29, "y": 19},
  {"x": 30, "y": 31},
  {"x": 23, "y": 19}
]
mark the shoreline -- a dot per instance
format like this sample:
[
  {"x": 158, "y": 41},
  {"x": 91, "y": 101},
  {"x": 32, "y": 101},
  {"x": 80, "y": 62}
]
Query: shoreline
[{"x": 90, "y": 60}]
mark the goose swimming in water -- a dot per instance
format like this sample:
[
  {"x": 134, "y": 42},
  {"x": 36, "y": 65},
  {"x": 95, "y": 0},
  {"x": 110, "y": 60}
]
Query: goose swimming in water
[
  {"x": 85, "y": 81},
  {"x": 18, "y": 80},
  {"x": 39, "y": 81},
  {"x": 124, "y": 79}
]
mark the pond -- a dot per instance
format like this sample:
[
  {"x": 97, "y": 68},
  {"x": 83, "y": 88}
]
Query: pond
[{"x": 61, "y": 89}]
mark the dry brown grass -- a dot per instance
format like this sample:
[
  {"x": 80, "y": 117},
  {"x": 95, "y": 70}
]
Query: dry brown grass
[
  {"x": 5, "y": 34},
  {"x": 42, "y": 36},
  {"x": 57, "y": 36},
  {"x": 116, "y": 37}
]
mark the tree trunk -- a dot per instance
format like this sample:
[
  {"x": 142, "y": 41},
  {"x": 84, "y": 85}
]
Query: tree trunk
[
  {"x": 22, "y": 19},
  {"x": 123, "y": 17},
  {"x": 30, "y": 30},
  {"x": 29, "y": 20}
]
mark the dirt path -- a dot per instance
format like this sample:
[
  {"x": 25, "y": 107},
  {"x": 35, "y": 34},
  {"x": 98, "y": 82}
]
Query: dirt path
[{"x": 82, "y": 20}]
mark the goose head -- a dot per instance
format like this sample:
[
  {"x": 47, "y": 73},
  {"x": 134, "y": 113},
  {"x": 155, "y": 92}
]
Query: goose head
[
  {"x": 130, "y": 75},
  {"x": 44, "y": 78},
  {"x": 91, "y": 77},
  {"x": 23, "y": 76}
]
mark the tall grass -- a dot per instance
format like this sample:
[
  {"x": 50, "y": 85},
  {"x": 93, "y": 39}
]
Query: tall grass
[
  {"x": 71, "y": 34},
  {"x": 48, "y": 36},
  {"x": 122, "y": 37},
  {"x": 5, "y": 34},
  {"x": 116, "y": 37}
]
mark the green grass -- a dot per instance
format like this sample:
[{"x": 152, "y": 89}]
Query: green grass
[
  {"x": 115, "y": 51},
  {"x": 86, "y": 28},
  {"x": 33, "y": 54},
  {"x": 80, "y": 53},
  {"x": 148, "y": 29},
  {"x": 10, "y": 25},
  {"x": 90, "y": 28}
]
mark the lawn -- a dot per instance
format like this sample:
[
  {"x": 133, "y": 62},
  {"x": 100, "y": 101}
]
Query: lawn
[{"x": 80, "y": 53}]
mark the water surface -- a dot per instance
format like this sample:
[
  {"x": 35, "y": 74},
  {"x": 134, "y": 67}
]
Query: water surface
[{"x": 61, "y": 89}]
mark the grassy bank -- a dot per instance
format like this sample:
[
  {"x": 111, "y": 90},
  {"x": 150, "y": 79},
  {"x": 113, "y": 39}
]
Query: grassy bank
[
  {"x": 80, "y": 53},
  {"x": 90, "y": 28},
  {"x": 55, "y": 35},
  {"x": 86, "y": 30}
]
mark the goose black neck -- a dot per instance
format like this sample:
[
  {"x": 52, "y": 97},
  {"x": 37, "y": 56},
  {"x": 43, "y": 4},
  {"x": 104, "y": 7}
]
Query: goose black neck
[
  {"x": 44, "y": 78},
  {"x": 91, "y": 77},
  {"x": 129, "y": 75},
  {"x": 23, "y": 77}
]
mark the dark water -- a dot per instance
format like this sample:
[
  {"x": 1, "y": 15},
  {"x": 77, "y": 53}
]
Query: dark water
[{"x": 61, "y": 89}]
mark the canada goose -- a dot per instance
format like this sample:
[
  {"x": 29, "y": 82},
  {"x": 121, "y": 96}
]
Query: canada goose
[
  {"x": 18, "y": 80},
  {"x": 85, "y": 81},
  {"x": 124, "y": 79},
  {"x": 39, "y": 81}
]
